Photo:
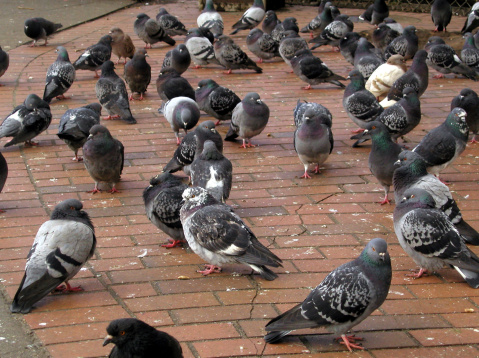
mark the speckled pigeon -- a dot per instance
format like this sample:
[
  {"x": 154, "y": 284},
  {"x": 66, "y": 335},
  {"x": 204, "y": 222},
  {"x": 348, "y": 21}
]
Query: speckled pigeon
[
  {"x": 365, "y": 59},
  {"x": 138, "y": 73},
  {"x": 179, "y": 58},
  {"x": 95, "y": 56},
  {"x": 468, "y": 100},
  {"x": 319, "y": 23},
  {"x": 472, "y": 20},
  {"x": 170, "y": 84},
  {"x": 262, "y": 45},
  {"x": 121, "y": 46},
  {"x": 441, "y": 13},
  {"x": 4, "y": 62},
  {"x": 291, "y": 44},
  {"x": 38, "y": 28},
  {"x": 470, "y": 53},
  {"x": 348, "y": 45},
  {"x": 211, "y": 19},
  {"x": 288, "y": 24},
  {"x": 405, "y": 45},
  {"x": 200, "y": 47},
  {"x": 302, "y": 107},
  {"x": 383, "y": 77},
  {"x": 150, "y": 31},
  {"x": 382, "y": 36},
  {"x": 182, "y": 113},
  {"x": 232, "y": 57},
  {"x": 270, "y": 21},
  {"x": 334, "y": 32},
  {"x": 251, "y": 17},
  {"x": 170, "y": 23},
  {"x": 60, "y": 76}
]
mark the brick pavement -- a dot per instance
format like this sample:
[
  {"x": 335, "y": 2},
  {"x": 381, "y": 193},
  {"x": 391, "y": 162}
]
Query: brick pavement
[{"x": 314, "y": 225}]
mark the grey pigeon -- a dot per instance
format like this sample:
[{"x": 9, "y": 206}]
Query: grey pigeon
[
  {"x": 232, "y": 57},
  {"x": 380, "y": 12},
  {"x": 441, "y": 13},
  {"x": 135, "y": 338},
  {"x": 251, "y": 17},
  {"x": 150, "y": 31},
  {"x": 383, "y": 36},
  {"x": 122, "y": 46},
  {"x": 470, "y": 53},
  {"x": 103, "y": 157},
  {"x": 367, "y": 15},
  {"x": 182, "y": 113},
  {"x": 95, "y": 56},
  {"x": 365, "y": 60},
  {"x": 262, "y": 45},
  {"x": 302, "y": 107},
  {"x": 348, "y": 45},
  {"x": 430, "y": 239},
  {"x": 468, "y": 100},
  {"x": 291, "y": 44},
  {"x": 334, "y": 32},
  {"x": 211, "y": 19},
  {"x": 4, "y": 62},
  {"x": 112, "y": 95},
  {"x": 3, "y": 174},
  {"x": 200, "y": 47},
  {"x": 61, "y": 247},
  {"x": 60, "y": 76},
  {"x": 170, "y": 23},
  {"x": 472, "y": 20},
  {"x": 38, "y": 28},
  {"x": 179, "y": 58},
  {"x": 170, "y": 84},
  {"x": 383, "y": 77},
  {"x": 212, "y": 171},
  {"x": 75, "y": 125},
  {"x": 26, "y": 121},
  {"x": 288, "y": 24},
  {"x": 319, "y": 23},
  {"x": 270, "y": 21},
  {"x": 217, "y": 101},
  {"x": 405, "y": 45},
  {"x": 248, "y": 120},
  {"x": 347, "y": 296},
  {"x": 393, "y": 24},
  {"x": 219, "y": 236},
  {"x": 138, "y": 73},
  {"x": 163, "y": 202},
  {"x": 313, "y": 140}
]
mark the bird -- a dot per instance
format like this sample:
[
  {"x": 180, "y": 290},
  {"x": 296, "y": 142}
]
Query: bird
[
  {"x": 26, "y": 121},
  {"x": 365, "y": 60},
  {"x": 251, "y": 17},
  {"x": 178, "y": 58},
  {"x": 103, "y": 157},
  {"x": 61, "y": 247},
  {"x": 215, "y": 100},
  {"x": 262, "y": 45},
  {"x": 211, "y": 19},
  {"x": 232, "y": 57},
  {"x": 219, "y": 236},
  {"x": 170, "y": 23},
  {"x": 135, "y": 338},
  {"x": 441, "y": 13},
  {"x": 430, "y": 239},
  {"x": 170, "y": 84},
  {"x": 200, "y": 47},
  {"x": 383, "y": 77},
  {"x": 111, "y": 93},
  {"x": 60, "y": 76},
  {"x": 348, "y": 45},
  {"x": 122, "y": 45},
  {"x": 212, "y": 171},
  {"x": 302, "y": 107},
  {"x": 288, "y": 24},
  {"x": 468, "y": 100},
  {"x": 95, "y": 56},
  {"x": 380, "y": 12},
  {"x": 313, "y": 140},
  {"x": 270, "y": 21},
  {"x": 75, "y": 125},
  {"x": 138, "y": 73},
  {"x": 150, "y": 31},
  {"x": 163, "y": 202},
  {"x": 393, "y": 24},
  {"x": 4, "y": 62},
  {"x": 347, "y": 296},
  {"x": 248, "y": 120},
  {"x": 182, "y": 113},
  {"x": 382, "y": 36},
  {"x": 38, "y": 28},
  {"x": 291, "y": 44},
  {"x": 334, "y": 32},
  {"x": 320, "y": 21},
  {"x": 470, "y": 53},
  {"x": 472, "y": 20},
  {"x": 405, "y": 45},
  {"x": 3, "y": 174},
  {"x": 367, "y": 15}
]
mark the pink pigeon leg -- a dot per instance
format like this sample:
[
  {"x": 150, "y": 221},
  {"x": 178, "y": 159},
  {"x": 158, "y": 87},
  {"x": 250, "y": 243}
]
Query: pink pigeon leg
[
  {"x": 113, "y": 190},
  {"x": 67, "y": 288},
  {"x": 217, "y": 122},
  {"x": 307, "y": 87},
  {"x": 62, "y": 97},
  {"x": 210, "y": 269},
  {"x": 260, "y": 60},
  {"x": 316, "y": 169},
  {"x": 30, "y": 143},
  {"x": 95, "y": 189},
  {"x": 305, "y": 175},
  {"x": 111, "y": 117},
  {"x": 141, "y": 97},
  {"x": 96, "y": 74},
  {"x": 440, "y": 75},
  {"x": 247, "y": 145},
  {"x": 229, "y": 72},
  {"x": 473, "y": 140},
  {"x": 173, "y": 243},
  {"x": 350, "y": 342},
  {"x": 418, "y": 273}
]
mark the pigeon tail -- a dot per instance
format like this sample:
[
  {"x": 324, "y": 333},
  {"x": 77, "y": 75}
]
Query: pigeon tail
[
  {"x": 470, "y": 235},
  {"x": 231, "y": 135},
  {"x": 274, "y": 337},
  {"x": 172, "y": 166},
  {"x": 471, "y": 277},
  {"x": 265, "y": 272}
]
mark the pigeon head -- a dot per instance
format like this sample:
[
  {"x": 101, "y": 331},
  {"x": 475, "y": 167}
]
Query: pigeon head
[
  {"x": 197, "y": 197},
  {"x": 419, "y": 59},
  {"x": 222, "y": 41},
  {"x": 182, "y": 48},
  {"x": 62, "y": 54},
  {"x": 210, "y": 152},
  {"x": 290, "y": 34},
  {"x": 298, "y": 55},
  {"x": 417, "y": 198},
  {"x": 207, "y": 84},
  {"x": 33, "y": 102},
  {"x": 126, "y": 333},
  {"x": 375, "y": 128},
  {"x": 95, "y": 107},
  {"x": 253, "y": 36},
  {"x": 99, "y": 131},
  {"x": 334, "y": 11},
  {"x": 357, "y": 79},
  {"x": 115, "y": 32},
  {"x": 142, "y": 16},
  {"x": 207, "y": 126},
  {"x": 467, "y": 92},
  {"x": 108, "y": 69},
  {"x": 162, "y": 11},
  {"x": 106, "y": 40},
  {"x": 412, "y": 160},
  {"x": 71, "y": 209},
  {"x": 457, "y": 121},
  {"x": 168, "y": 72},
  {"x": 409, "y": 92},
  {"x": 141, "y": 53},
  {"x": 410, "y": 30},
  {"x": 433, "y": 41},
  {"x": 364, "y": 44},
  {"x": 397, "y": 60},
  {"x": 376, "y": 253},
  {"x": 166, "y": 180},
  {"x": 270, "y": 15},
  {"x": 209, "y": 6},
  {"x": 290, "y": 23}
]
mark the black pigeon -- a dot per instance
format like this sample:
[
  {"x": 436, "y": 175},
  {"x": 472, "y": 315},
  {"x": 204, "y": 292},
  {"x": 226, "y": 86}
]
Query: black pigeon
[
  {"x": 75, "y": 125},
  {"x": 405, "y": 45},
  {"x": 135, "y": 338},
  {"x": 468, "y": 100},
  {"x": 251, "y": 17},
  {"x": 179, "y": 58},
  {"x": 211, "y": 19},
  {"x": 367, "y": 15},
  {"x": 26, "y": 121},
  {"x": 348, "y": 45},
  {"x": 170, "y": 23},
  {"x": 38, "y": 28},
  {"x": 441, "y": 13},
  {"x": 170, "y": 84},
  {"x": 270, "y": 21},
  {"x": 262, "y": 45},
  {"x": 138, "y": 73},
  {"x": 95, "y": 56},
  {"x": 3, "y": 174},
  {"x": 182, "y": 113},
  {"x": 380, "y": 12},
  {"x": 150, "y": 31},
  {"x": 472, "y": 20},
  {"x": 232, "y": 57},
  {"x": 60, "y": 76},
  {"x": 302, "y": 107},
  {"x": 200, "y": 46},
  {"x": 470, "y": 53},
  {"x": 383, "y": 36},
  {"x": 365, "y": 59},
  {"x": 334, "y": 32},
  {"x": 4, "y": 62},
  {"x": 291, "y": 44},
  {"x": 62, "y": 246}
]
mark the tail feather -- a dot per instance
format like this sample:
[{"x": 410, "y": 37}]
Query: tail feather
[
  {"x": 470, "y": 235},
  {"x": 471, "y": 277},
  {"x": 465, "y": 70},
  {"x": 231, "y": 135},
  {"x": 274, "y": 337},
  {"x": 172, "y": 166}
]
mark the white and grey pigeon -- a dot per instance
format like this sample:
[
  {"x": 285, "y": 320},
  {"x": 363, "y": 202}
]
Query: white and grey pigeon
[
  {"x": 219, "y": 236},
  {"x": 232, "y": 57},
  {"x": 181, "y": 113},
  {"x": 470, "y": 53},
  {"x": 60, "y": 76},
  {"x": 290, "y": 44},
  {"x": 347, "y": 296},
  {"x": 163, "y": 200},
  {"x": 61, "y": 247},
  {"x": 441, "y": 13},
  {"x": 200, "y": 47},
  {"x": 365, "y": 59},
  {"x": 383, "y": 77},
  {"x": 212, "y": 171},
  {"x": 334, "y": 32},
  {"x": 248, "y": 120},
  {"x": 430, "y": 239},
  {"x": 405, "y": 45},
  {"x": 251, "y": 17},
  {"x": 211, "y": 19},
  {"x": 302, "y": 107},
  {"x": 150, "y": 31},
  {"x": 472, "y": 20},
  {"x": 170, "y": 23},
  {"x": 262, "y": 45},
  {"x": 468, "y": 100},
  {"x": 179, "y": 58},
  {"x": 38, "y": 28},
  {"x": 95, "y": 56}
]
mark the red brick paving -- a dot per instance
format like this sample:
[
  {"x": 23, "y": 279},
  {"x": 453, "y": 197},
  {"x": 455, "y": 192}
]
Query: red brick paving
[{"x": 314, "y": 225}]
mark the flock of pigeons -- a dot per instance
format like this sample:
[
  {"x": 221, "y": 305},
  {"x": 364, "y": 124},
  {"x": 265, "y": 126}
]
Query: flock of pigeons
[{"x": 427, "y": 220}]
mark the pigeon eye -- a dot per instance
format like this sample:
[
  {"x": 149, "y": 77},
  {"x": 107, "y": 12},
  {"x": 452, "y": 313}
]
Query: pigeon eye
[
  {"x": 374, "y": 249},
  {"x": 413, "y": 196},
  {"x": 374, "y": 127},
  {"x": 122, "y": 333},
  {"x": 71, "y": 207},
  {"x": 193, "y": 196}
]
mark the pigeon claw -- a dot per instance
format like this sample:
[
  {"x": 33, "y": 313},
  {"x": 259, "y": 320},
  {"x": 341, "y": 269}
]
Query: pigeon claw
[
  {"x": 94, "y": 191},
  {"x": 197, "y": 67},
  {"x": 385, "y": 201},
  {"x": 62, "y": 97},
  {"x": 30, "y": 143},
  {"x": 210, "y": 269},
  {"x": 440, "y": 75},
  {"x": 111, "y": 117},
  {"x": 260, "y": 60},
  {"x": 229, "y": 72},
  {"x": 308, "y": 87},
  {"x": 113, "y": 190},
  {"x": 173, "y": 243},
  {"x": 350, "y": 342},
  {"x": 67, "y": 288},
  {"x": 316, "y": 169},
  {"x": 305, "y": 176},
  {"x": 76, "y": 158},
  {"x": 417, "y": 273}
]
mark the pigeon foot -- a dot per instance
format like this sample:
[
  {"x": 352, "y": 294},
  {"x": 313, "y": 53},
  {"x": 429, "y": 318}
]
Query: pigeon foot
[
  {"x": 417, "y": 273},
  {"x": 349, "y": 341},
  {"x": 111, "y": 117},
  {"x": 305, "y": 176},
  {"x": 67, "y": 288},
  {"x": 210, "y": 269},
  {"x": 173, "y": 243},
  {"x": 31, "y": 143}
]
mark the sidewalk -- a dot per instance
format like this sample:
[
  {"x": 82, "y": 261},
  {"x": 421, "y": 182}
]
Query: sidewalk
[{"x": 313, "y": 225}]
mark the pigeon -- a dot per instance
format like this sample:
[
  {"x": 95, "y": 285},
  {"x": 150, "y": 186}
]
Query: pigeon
[
  {"x": 360, "y": 104},
  {"x": 441, "y": 13},
  {"x": 232, "y": 57},
  {"x": 138, "y": 73},
  {"x": 215, "y": 100},
  {"x": 470, "y": 53},
  {"x": 4, "y": 62},
  {"x": 291, "y": 44},
  {"x": 212, "y": 171},
  {"x": 170, "y": 84},
  {"x": 60, "y": 76},
  {"x": 249, "y": 119},
  {"x": 211, "y": 19},
  {"x": 182, "y": 113},
  {"x": 302, "y": 107},
  {"x": 417, "y": 77},
  {"x": 179, "y": 58},
  {"x": 393, "y": 24},
  {"x": 75, "y": 125},
  {"x": 348, "y": 45},
  {"x": 472, "y": 20},
  {"x": 430, "y": 239},
  {"x": 367, "y": 15},
  {"x": 251, "y": 17},
  {"x": 3, "y": 174},
  {"x": 95, "y": 56},
  {"x": 26, "y": 121},
  {"x": 443, "y": 144},
  {"x": 405, "y": 45},
  {"x": 150, "y": 31},
  {"x": 468, "y": 100},
  {"x": 288, "y": 24},
  {"x": 170, "y": 23},
  {"x": 313, "y": 140},
  {"x": 383, "y": 77},
  {"x": 365, "y": 60},
  {"x": 112, "y": 95},
  {"x": 348, "y": 295},
  {"x": 262, "y": 45},
  {"x": 61, "y": 247},
  {"x": 383, "y": 36},
  {"x": 200, "y": 47},
  {"x": 219, "y": 236},
  {"x": 163, "y": 202},
  {"x": 270, "y": 21},
  {"x": 121, "y": 46},
  {"x": 38, "y": 28},
  {"x": 103, "y": 157},
  {"x": 444, "y": 59},
  {"x": 334, "y": 32},
  {"x": 317, "y": 25},
  {"x": 313, "y": 71},
  {"x": 380, "y": 12},
  {"x": 135, "y": 338}
]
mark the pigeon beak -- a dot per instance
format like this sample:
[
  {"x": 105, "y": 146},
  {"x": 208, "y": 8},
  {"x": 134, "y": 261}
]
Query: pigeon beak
[
  {"x": 259, "y": 101},
  {"x": 107, "y": 340},
  {"x": 397, "y": 163},
  {"x": 381, "y": 255},
  {"x": 213, "y": 130}
]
